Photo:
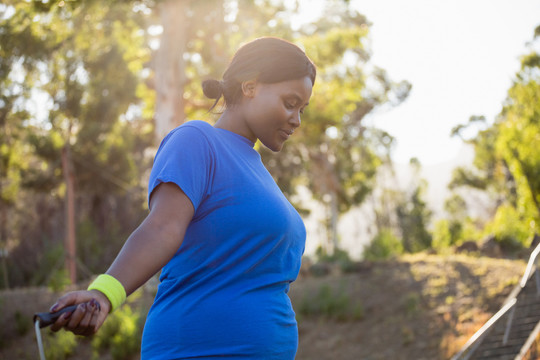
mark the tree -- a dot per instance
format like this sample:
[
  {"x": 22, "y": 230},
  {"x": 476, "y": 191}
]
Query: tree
[
  {"x": 92, "y": 62},
  {"x": 507, "y": 161},
  {"x": 86, "y": 60},
  {"x": 456, "y": 208},
  {"x": 12, "y": 155},
  {"x": 200, "y": 43},
  {"x": 197, "y": 40},
  {"x": 348, "y": 154},
  {"x": 414, "y": 215},
  {"x": 519, "y": 131},
  {"x": 490, "y": 173},
  {"x": 334, "y": 154}
]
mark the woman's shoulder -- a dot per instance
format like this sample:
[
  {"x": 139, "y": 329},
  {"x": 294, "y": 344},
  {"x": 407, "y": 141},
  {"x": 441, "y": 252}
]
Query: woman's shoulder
[
  {"x": 188, "y": 126},
  {"x": 193, "y": 130},
  {"x": 199, "y": 124},
  {"x": 191, "y": 134}
]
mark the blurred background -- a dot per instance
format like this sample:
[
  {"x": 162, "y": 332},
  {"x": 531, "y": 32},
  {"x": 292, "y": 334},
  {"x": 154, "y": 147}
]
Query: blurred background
[{"x": 420, "y": 140}]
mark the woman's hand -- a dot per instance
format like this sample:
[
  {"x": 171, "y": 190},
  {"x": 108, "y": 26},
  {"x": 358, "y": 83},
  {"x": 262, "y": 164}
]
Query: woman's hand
[{"x": 90, "y": 314}]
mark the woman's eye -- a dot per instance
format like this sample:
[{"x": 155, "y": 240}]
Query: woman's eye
[{"x": 289, "y": 105}]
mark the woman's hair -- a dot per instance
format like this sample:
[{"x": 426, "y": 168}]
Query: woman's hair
[{"x": 268, "y": 60}]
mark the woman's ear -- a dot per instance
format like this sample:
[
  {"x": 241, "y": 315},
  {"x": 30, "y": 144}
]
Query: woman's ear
[{"x": 248, "y": 88}]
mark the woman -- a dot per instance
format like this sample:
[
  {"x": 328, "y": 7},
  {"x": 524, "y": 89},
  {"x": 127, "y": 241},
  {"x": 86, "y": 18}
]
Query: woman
[{"x": 228, "y": 241}]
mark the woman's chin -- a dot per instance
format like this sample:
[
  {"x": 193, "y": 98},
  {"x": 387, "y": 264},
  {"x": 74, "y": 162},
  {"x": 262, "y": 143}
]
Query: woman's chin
[{"x": 276, "y": 147}]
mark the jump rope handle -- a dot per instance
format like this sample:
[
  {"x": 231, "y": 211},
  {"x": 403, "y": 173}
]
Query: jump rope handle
[{"x": 48, "y": 318}]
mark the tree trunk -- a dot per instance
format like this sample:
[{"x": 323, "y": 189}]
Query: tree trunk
[
  {"x": 327, "y": 183},
  {"x": 170, "y": 67},
  {"x": 69, "y": 237},
  {"x": 3, "y": 244},
  {"x": 334, "y": 215}
]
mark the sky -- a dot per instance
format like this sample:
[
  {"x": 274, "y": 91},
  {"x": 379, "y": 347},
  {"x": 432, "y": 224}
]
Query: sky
[{"x": 460, "y": 57}]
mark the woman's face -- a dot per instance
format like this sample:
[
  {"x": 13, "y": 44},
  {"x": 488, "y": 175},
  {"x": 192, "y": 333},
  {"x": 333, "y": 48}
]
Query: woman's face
[{"x": 272, "y": 111}]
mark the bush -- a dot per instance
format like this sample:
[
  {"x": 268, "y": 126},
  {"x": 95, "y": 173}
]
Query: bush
[
  {"x": 509, "y": 229},
  {"x": 331, "y": 304},
  {"x": 383, "y": 246},
  {"x": 58, "y": 280},
  {"x": 469, "y": 231},
  {"x": 339, "y": 257},
  {"x": 49, "y": 265},
  {"x": 59, "y": 345},
  {"x": 121, "y": 334},
  {"x": 442, "y": 237},
  {"x": 22, "y": 325}
]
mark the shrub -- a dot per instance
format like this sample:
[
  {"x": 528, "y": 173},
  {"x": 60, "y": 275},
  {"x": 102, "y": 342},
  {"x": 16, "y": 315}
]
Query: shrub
[
  {"x": 22, "y": 325},
  {"x": 58, "y": 280},
  {"x": 331, "y": 304},
  {"x": 469, "y": 231},
  {"x": 120, "y": 334},
  {"x": 340, "y": 257},
  {"x": 442, "y": 237},
  {"x": 59, "y": 345},
  {"x": 510, "y": 231},
  {"x": 383, "y": 246}
]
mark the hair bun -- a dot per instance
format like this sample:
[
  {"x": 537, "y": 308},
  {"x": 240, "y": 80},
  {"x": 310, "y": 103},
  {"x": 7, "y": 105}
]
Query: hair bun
[{"x": 212, "y": 89}]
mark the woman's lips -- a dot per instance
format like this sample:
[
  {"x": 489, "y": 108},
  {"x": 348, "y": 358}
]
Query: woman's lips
[{"x": 285, "y": 133}]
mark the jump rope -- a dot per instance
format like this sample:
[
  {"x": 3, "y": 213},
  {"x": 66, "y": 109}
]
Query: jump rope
[{"x": 45, "y": 319}]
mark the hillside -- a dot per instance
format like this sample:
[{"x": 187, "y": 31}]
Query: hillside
[{"x": 418, "y": 307}]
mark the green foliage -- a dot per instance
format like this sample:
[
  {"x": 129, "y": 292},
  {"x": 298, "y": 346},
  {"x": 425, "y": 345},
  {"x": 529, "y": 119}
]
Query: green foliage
[
  {"x": 339, "y": 256},
  {"x": 456, "y": 207},
  {"x": 22, "y": 325},
  {"x": 507, "y": 162},
  {"x": 95, "y": 245},
  {"x": 470, "y": 231},
  {"x": 442, "y": 236},
  {"x": 413, "y": 217},
  {"x": 519, "y": 131},
  {"x": 333, "y": 153},
  {"x": 332, "y": 304},
  {"x": 120, "y": 334},
  {"x": 383, "y": 246},
  {"x": 59, "y": 345},
  {"x": 58, "y": 280},
  {"x": 447, "y": 233},
  {"x": 489, "y": 174},
  {"x": 51, "y": 270},
  {"x": 83, "y": 63},
  {"x": 509, "y": 229},
  {"x": 87, "y": 64}
]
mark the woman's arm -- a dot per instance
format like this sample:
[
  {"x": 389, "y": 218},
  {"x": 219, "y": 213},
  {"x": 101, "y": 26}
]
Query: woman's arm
[
  {"x": 156, "y": 240},
  {"x": 145, "y": 252}
]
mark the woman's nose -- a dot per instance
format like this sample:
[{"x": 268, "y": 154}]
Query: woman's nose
[{"x": 295, "y": 119}]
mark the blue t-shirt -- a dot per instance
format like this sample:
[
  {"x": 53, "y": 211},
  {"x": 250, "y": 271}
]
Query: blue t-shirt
[{"x": 224, "y": 293}]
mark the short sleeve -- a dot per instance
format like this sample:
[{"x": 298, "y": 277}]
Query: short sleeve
[{"x": 185, "y": 159}]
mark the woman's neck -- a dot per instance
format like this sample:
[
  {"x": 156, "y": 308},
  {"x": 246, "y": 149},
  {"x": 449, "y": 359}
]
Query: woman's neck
[{"x": 234, "y": 121}]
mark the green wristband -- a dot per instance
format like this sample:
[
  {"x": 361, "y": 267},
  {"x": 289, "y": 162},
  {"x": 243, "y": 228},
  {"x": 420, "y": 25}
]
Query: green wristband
[{"x": 111, "y": 288}]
